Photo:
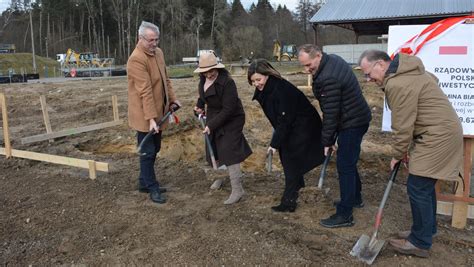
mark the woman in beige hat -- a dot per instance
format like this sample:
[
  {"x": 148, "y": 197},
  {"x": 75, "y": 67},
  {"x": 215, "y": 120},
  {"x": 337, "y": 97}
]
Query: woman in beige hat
[{"x": 219, "y": 101}]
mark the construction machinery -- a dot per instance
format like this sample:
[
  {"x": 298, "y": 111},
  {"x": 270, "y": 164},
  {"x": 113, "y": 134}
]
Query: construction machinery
[
  {"x": 85, "y": 64},
  {"x": 285, "y": 52},
  {"x": 7, "y": 48}
]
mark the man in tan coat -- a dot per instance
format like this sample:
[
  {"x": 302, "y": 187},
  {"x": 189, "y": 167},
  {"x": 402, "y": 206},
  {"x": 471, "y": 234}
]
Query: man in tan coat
[
  {"x": 150, "y": 96},
  {"x": 427, "y": 132}
]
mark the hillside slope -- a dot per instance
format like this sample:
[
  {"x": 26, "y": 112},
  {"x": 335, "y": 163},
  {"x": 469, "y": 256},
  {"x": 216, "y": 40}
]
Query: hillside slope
[{"x": 23, "y": 62}]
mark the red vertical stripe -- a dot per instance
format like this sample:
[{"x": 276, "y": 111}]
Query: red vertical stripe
[{"x": 453, "y": 50}]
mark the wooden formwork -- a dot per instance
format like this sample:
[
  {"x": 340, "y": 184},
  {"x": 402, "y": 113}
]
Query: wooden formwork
[
  {"x": 50, "y": 135},
  {"x": 91, "y": 165},
  {"x": 459, "y": 205}
]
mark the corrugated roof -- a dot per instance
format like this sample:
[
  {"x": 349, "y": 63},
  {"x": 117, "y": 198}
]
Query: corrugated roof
[{"x": 343, "y": 11}]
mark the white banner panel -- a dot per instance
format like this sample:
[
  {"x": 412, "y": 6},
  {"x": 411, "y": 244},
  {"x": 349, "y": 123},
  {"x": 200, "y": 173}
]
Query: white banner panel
[{"x": 451, "y": 59}]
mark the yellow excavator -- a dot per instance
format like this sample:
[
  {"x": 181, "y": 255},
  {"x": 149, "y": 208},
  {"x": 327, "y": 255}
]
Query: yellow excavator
[
  {"x": 85, "y": 60},
  {"x": 285, "y": 53}
]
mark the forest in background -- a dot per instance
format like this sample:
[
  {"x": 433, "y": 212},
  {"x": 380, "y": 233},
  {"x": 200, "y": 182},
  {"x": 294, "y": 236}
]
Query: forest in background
[{"x": 109, "y": 27}]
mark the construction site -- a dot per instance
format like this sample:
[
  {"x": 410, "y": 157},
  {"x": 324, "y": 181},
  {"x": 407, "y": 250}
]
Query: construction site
[
  {"x": 70, "y": 164},
  {"x": 53, "y": 213}
]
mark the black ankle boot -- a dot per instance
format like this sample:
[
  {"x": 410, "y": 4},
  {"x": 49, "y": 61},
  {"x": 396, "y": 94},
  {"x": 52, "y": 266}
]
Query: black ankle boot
[{"x": 284, "y": 208}]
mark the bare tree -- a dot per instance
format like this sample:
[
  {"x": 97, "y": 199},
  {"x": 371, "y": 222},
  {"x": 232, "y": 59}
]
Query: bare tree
[
  {"x": 6, "y": 16},
  {"x": 117, "y": 11}
]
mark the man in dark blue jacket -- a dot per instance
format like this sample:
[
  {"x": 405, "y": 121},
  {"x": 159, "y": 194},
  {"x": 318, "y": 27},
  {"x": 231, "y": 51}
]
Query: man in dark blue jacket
[{"x": 346, "y": 117}]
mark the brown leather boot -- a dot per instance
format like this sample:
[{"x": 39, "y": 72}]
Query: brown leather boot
[{"x": 406, "y": 247}]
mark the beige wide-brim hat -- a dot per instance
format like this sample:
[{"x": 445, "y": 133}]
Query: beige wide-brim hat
[{"x": 208, "y": 61}]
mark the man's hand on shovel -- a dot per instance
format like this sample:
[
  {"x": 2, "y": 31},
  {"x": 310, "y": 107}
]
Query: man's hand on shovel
[
  {"x": 270, "y": 152},
  {"x": 328, "y": 150},
  {"x": 154, "y": 126}
]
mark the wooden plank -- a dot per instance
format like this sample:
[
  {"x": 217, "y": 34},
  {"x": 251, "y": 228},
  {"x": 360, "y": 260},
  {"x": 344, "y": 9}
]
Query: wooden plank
[
  {"x": 92, "y": 172},
  {"x": 6, "y": 131},
  {"x": 80, "y": 163},
  {"x": 460, "y": 208},
  {"x": 310, "y": 80},
  {"x": 46, "y": 120},
  {"x": 42, "y": 137},
  {"x": 115, "y": 108},
  {"x": 446, "y": 208},
  {"x": 304, "y": 87}
]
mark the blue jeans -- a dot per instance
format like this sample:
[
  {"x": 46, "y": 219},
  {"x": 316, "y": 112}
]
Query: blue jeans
[
  {"x": 348, "y": 152},
  {"x": 152, "y": 146},
  {"x": 421, "y": 191}
]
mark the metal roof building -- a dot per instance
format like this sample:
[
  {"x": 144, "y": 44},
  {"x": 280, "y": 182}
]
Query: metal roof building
[{"x": 372, "y": 17}]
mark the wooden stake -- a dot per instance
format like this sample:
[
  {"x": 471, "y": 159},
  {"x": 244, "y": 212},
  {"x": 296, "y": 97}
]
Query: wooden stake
[
  {"x": 6, "y": 131},
  {"x": 47, "y": 122},
  {"x": 460, "y": 208},
  {"x": 92, "y": 171},
  {"x": 115, "y": 108}
]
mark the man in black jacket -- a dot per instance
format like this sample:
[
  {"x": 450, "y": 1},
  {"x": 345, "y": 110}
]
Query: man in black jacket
[{"x": 346, "y": 117}]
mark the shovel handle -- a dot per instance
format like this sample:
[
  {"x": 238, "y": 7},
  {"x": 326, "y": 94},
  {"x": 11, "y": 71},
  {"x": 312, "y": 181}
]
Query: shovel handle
[
  {"x": 393, "y": 174},
  {"x": 152, "y": 132},
  {"x": 208, "y": 143},
  {"x": 269, "y": 161},
  {"x": 324, "y": 169}
]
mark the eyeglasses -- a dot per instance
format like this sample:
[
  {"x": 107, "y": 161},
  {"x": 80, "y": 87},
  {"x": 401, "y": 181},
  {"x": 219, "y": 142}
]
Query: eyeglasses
[
  {"x": 367, "y": 75},
  {"x": 156, "y": 40}
]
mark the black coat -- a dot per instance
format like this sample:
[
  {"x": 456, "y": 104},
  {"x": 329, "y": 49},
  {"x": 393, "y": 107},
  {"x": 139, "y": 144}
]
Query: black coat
[
  {"x": 296, "y": 124},
  {"x": 337, "y": 89},
  {"x": 225, "y": 119}
]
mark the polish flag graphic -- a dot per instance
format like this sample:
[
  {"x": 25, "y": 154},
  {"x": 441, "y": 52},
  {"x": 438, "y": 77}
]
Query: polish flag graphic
[
  {"x": 434, "y": 32},
  {"x": 453, "y": 50}
]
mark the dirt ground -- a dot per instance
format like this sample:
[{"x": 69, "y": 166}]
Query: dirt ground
[{"x": 55, "y": 215}]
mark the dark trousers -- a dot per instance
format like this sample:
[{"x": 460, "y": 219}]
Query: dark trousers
[
  {"x": 422, "y": 195},
  {"x": 151, "y": 148},
  {"x": 348, "y": 152},
  {"x": 293, "y": 184}
]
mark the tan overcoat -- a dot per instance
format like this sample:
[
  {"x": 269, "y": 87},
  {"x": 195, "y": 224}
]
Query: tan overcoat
[
  {"x": 423, "y": 122},
  {"x": 149, "y": 88}
]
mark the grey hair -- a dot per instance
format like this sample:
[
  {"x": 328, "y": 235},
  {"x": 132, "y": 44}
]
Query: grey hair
[
  {"x": 310, "y": 49},
  {"x": 148, "y": 25},
  {"x": 374, "y": 55}
]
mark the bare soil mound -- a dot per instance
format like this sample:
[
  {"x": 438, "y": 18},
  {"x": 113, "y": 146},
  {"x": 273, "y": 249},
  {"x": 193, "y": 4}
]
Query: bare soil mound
[{"x": 53, "y": 215}]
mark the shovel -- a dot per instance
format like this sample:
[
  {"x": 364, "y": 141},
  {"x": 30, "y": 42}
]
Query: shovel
[
  {"x": 324, "y": 169},
  {"x": 152, "y": 132},
  {"x": 201, "y": 119},
  {"x": 367, "y": 249},
  {"x": 269, "y": 161}
]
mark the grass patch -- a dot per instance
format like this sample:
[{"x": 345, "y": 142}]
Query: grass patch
[{"x": 19, "y": 63}]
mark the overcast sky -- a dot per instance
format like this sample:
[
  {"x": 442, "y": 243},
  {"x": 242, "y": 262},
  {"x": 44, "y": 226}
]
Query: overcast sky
[{"x": 4, "y": 4}]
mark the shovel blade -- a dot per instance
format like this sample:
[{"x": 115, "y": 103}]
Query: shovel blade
[{"x": 365, "y": 251}]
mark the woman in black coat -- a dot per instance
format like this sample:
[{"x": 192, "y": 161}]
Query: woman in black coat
[
  {"x": 297, "y": 128},
  {"x": 225, "y": 120}
]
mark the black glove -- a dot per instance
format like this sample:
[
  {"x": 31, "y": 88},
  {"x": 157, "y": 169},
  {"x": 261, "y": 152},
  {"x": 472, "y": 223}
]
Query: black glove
[{"x": 174, "y": 107}]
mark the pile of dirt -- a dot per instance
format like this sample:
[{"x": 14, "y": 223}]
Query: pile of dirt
[{"x": 52, "y": 214}]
